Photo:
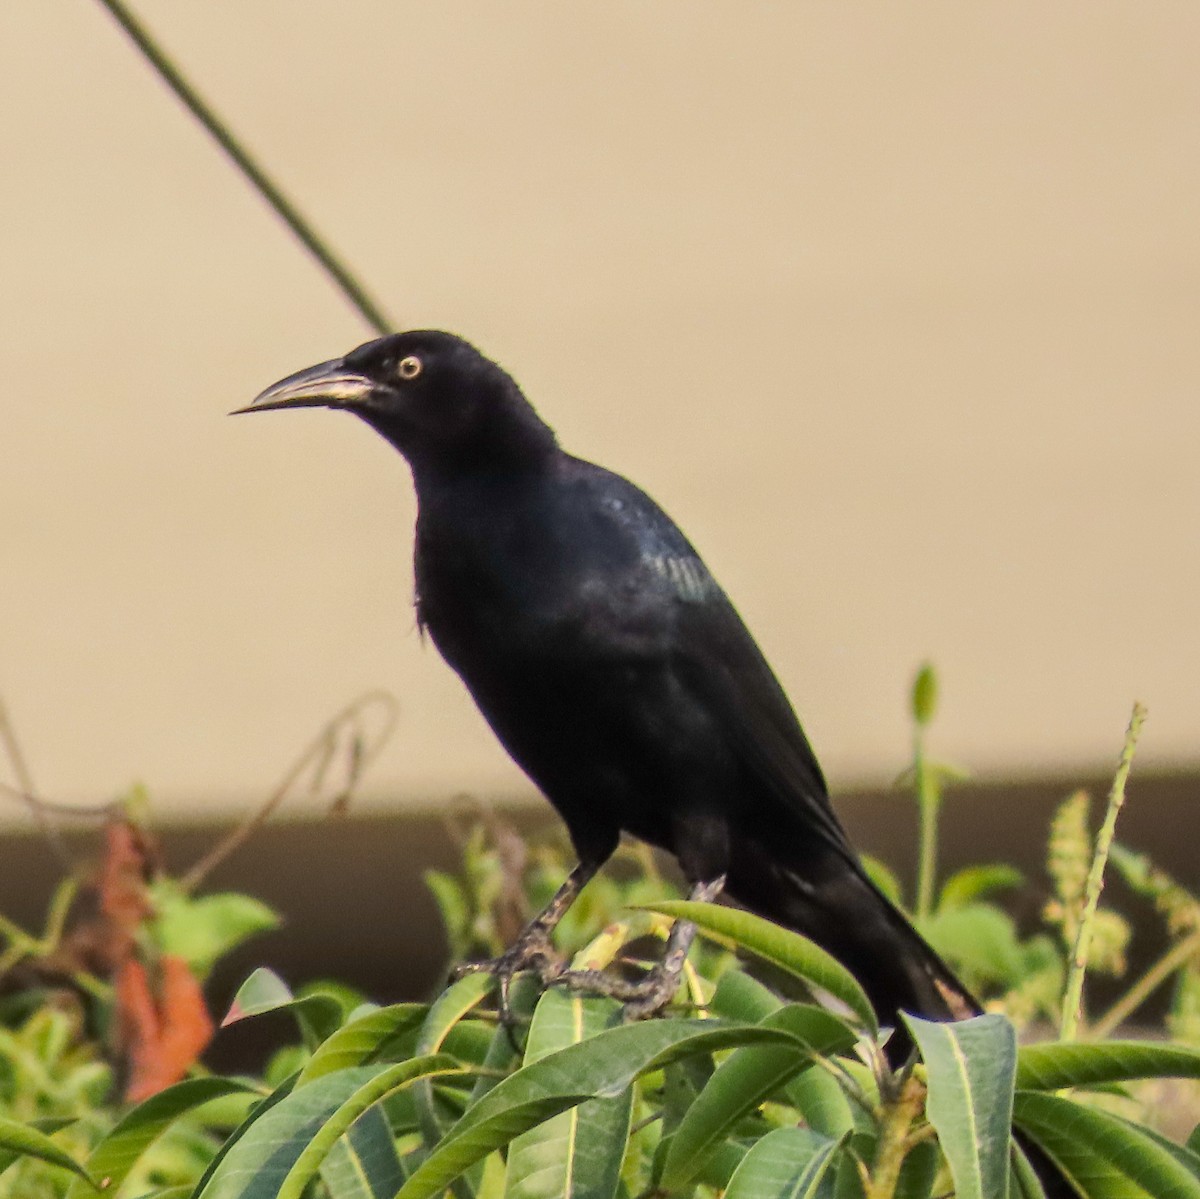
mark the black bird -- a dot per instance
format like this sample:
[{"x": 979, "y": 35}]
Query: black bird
[{"x": 616, "y": 672}]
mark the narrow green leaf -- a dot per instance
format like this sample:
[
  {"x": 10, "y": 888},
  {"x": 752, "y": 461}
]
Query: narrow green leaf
[
  {"x": 448, "y": 1009},
  {"x": 971, "y": 1065},
  {"x": 576, "y": 1154},
  {"x": 260, "y": 1109},
  {"x": 1053, "y": 1065},
  {"x": 317, "y": 1014},
  {"x": 393, "y": 1078},
  {"x": 789, "y": 1163},
  {"x": 918, "y": 1172},
  {"x": 364, "y": 1163},
  {"x": 789, "y": 951},
  {"x": 740, "y": 997},
  {"x": 1101, "y": 1155},
  {"x": 815, "y": 1094},
  {"x": 23, "y": 1140},
  {"x": 1023, "y": 1182},
  {"x": 362, "y": 1040},
  {"x": 111, "y": 1161},
  {"x": 744, "y": 1080},
  {"x": 257, "y": 1164},
  {"x": 602, "y": 1066}
]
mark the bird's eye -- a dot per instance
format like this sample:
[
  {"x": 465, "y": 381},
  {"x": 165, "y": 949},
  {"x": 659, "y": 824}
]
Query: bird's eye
[{"x": 409, "y": 368}]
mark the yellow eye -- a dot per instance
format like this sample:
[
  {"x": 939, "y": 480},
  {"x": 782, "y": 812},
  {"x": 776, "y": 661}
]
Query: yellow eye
[{"x": 409, "y": 368}]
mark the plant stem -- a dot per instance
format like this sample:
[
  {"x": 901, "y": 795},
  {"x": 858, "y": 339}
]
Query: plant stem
[
  {"x": 1141, "y": 990},
  {"x": 1073, "y": 999},
  {"x": 894, "y": 1143},
  {"x": 929, "y": 803},
  {"x": 317, "y": 246}
]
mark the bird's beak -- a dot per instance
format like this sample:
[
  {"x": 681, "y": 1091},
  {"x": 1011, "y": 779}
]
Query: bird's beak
[{"x": 329, "y": 384}]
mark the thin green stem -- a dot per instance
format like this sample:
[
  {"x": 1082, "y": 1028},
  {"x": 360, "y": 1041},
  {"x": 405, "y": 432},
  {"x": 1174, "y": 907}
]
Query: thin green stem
[
  {"x": 1073, "y": 999},
  {"x": 929, "y": 803},
  {"x": 1176, "y": 956},
  {"x": 287, "y": 211}
]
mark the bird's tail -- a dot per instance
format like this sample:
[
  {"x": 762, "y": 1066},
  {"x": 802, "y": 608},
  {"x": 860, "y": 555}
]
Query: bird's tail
[{"x": 846, "y": 914}]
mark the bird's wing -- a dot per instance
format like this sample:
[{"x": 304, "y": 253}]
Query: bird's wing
[
  {"x": 726, "y": 671},
  {"x": 720, "y": 664}
]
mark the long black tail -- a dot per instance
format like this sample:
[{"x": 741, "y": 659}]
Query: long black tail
[{"x": 846, "y": 914}]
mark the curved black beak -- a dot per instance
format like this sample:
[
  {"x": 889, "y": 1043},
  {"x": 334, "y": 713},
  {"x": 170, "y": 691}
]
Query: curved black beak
[{"x": 329, "y": 384}]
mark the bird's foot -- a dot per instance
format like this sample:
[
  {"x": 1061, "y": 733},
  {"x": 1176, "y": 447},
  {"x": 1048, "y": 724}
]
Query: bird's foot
[
  {"x": 532, "y": 951},
  {"x": 646, "y": 997}
]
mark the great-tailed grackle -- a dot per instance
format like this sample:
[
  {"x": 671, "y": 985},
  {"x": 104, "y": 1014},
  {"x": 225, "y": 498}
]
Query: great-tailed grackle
[{"x": 613, "y": 668}]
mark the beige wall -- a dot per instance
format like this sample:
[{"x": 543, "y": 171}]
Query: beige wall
[{"x": 894, "y": 307}]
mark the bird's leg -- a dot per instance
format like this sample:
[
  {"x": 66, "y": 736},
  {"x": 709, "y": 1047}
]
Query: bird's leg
[
  {"x": 653, "y": 992},
  {"x": 533, "y": 949}
]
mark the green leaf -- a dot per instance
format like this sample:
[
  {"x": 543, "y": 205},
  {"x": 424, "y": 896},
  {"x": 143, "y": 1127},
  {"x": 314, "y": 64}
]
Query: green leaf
[
  {"x": 918, "y": 1171},
  {"x": 391, "y": 1079},
  {"x": 971, "y": 1065},
  {"x": 364, "y": 1163},
  {"x": 280, "y": 1152},
  {"x": 23, "y": 1140},
  {"x": 744, "y": 1080},
  {"x": 112, "y": 1160},
  {"x": 980, "y": 940},
  {"x": 1053, "y": 1065},
  {"x": 448, "y": 1009},
  {"x": 363, "y": 1039},
  {"x": 1102, "y": 1156},
  {"x": 815, "y": 1094},
  {"x": 789, "y": 1163},
  {"x": 974, "y": 882},
  {"x": 602, "y": 1066},
  {"x": 203, "y": 930},
  {"x": 789, "y": 951},
  {"x": 317, "y": 1014},
  {"x": 1185, "y": 1155},
  {"x": 576, "y": 1154}
]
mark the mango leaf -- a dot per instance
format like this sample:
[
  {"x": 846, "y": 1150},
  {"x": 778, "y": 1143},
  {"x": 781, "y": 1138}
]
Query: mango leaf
[
  {"x": 602, "y": 1066},
  {"x": 974, "y": 882},
  {"x": 790, "y": 952},
  {"x": 576, "y": 1154},
  {"x": 1052, "y": 1065},
  {"x": 788, "y": 1163},
  {"x": 364, "y": 1163},
  {"x": 918, "y": 1171},
  {"x": 260, "y": 1109},
  {"x": 744, "y": 1080},
  {"x": 455, "y": 1002},
  {"x": 971, "y": 1065},
  {"x": 281, "y": 1151},
  {"x": 816, "y": 1094},
  {"x": 393, "y": 1078},
  {"x": 318, "y": 1015},
  {"x": 23, "y": 1140},
  {"x": 112, "y": 1159},
  {"x": 1101, "y": 1155},
  {"x": 362, "y": 1039},
  {"x": 1185, "y": 1155},
  {"x": 203, "y": 930}
]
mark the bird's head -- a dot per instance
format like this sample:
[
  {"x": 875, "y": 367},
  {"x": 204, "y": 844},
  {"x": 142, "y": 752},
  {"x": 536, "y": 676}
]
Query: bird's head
[{"x": 439, "y": 401}]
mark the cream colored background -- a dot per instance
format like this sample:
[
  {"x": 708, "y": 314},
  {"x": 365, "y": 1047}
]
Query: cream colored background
[{"x": 893, "y": 306}]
